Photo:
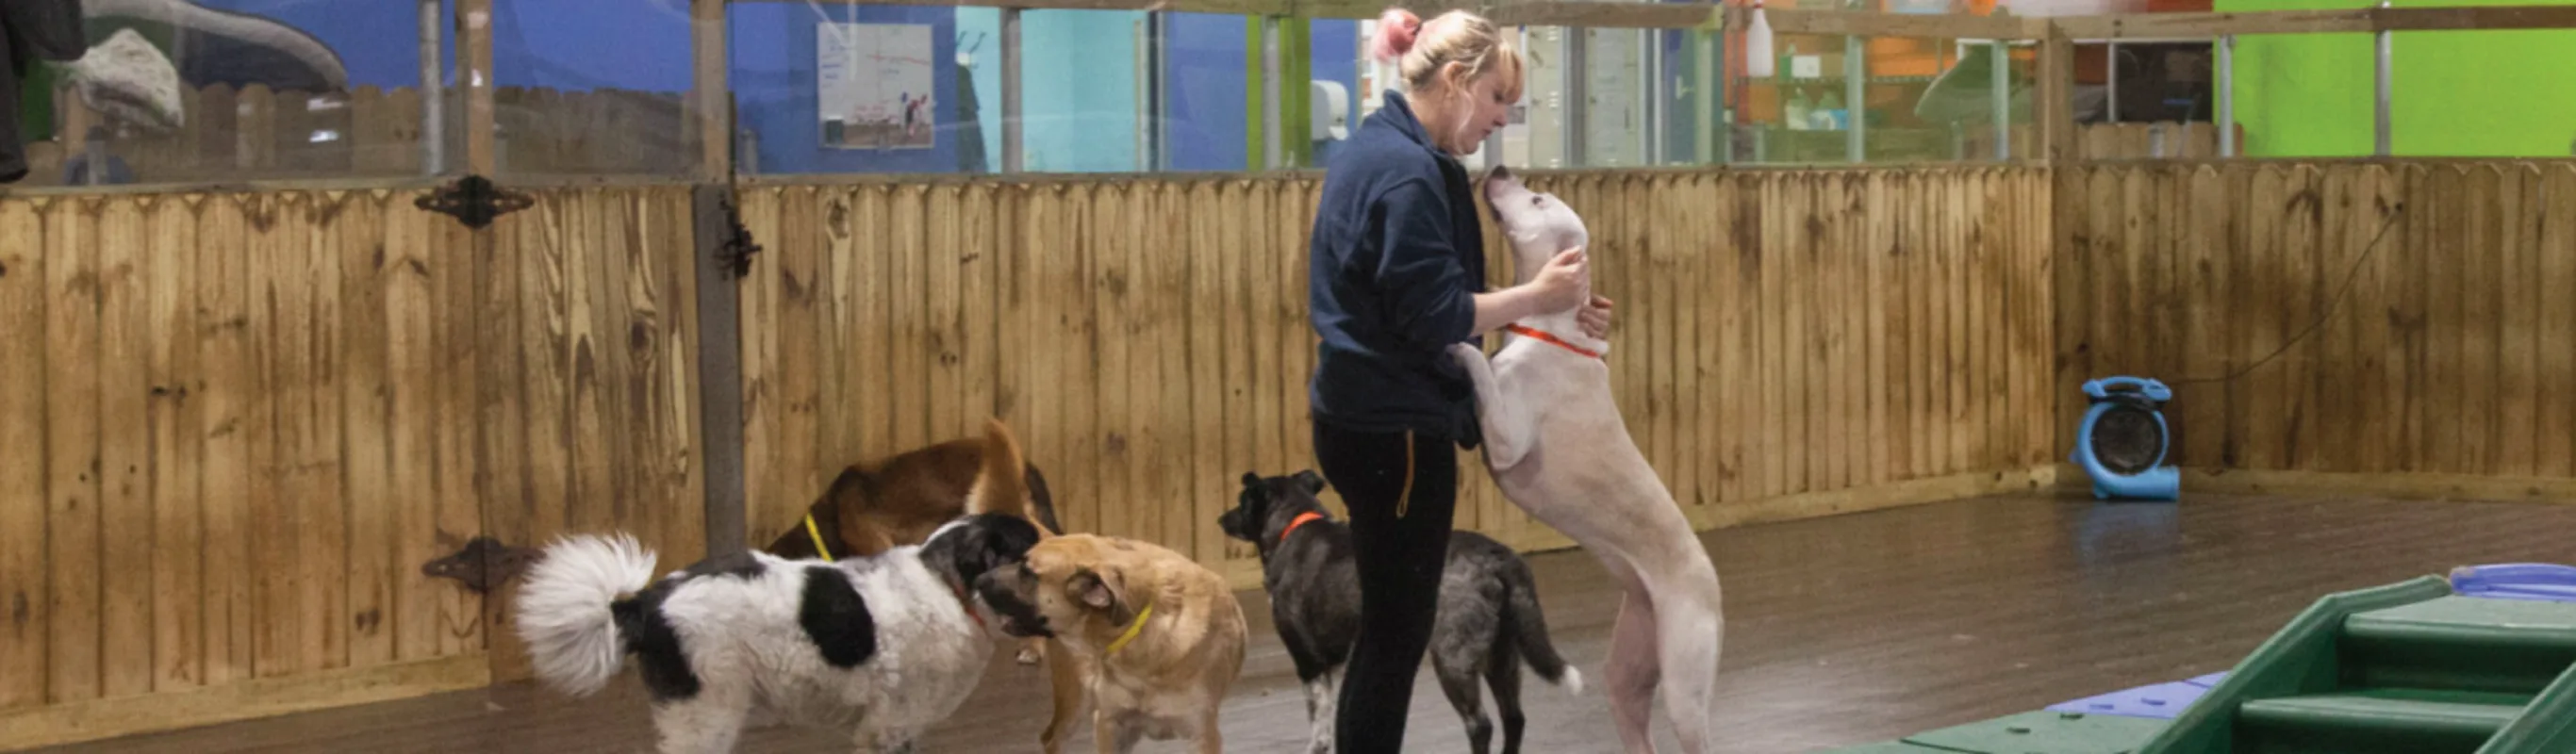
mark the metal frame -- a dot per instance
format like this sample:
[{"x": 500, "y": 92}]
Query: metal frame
[
  {"x": 1011, "y": 144},
  {"x": 2382, "y": 84},
  {"x": 2227, "y": 95},
  {"x": 1856, "y": 98}
]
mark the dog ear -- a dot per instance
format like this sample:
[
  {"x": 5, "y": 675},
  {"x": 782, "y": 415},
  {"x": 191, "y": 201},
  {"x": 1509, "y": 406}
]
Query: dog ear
[
  {"x": 1314, "y": 482},
  {"x": 1100, "y": 591},
  {"x": 1251, "y": 479}
]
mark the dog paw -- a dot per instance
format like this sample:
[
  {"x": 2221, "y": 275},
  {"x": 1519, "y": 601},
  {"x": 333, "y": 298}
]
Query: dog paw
[{"x": 1028, "y": 656}]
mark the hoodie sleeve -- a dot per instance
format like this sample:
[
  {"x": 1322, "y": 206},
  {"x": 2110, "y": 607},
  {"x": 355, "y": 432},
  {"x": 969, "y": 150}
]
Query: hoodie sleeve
[
  {"x": 42, "y": 30},
  {"x": 1429, "y": 299}
]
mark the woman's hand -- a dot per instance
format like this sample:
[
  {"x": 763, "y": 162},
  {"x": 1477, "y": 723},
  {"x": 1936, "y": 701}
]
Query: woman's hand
[
  {"x": 1595, "y": 318},
  {"x": 1563, "y": 283}
]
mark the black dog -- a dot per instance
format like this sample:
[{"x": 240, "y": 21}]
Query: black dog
[{"x": 1489, "y": 616}]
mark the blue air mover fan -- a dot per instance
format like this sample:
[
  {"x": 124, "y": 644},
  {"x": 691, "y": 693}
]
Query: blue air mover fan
[{"x": 2123, "y": 442}]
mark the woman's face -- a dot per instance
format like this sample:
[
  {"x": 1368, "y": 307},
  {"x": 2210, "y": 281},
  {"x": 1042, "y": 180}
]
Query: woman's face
[{"x": 1479, "y": 111}]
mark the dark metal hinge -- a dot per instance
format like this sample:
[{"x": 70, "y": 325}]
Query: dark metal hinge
[
  {"x": 737, "y": 249},
  {"x": 474, "y": 200},
  {"x": 483, "y": 564}
]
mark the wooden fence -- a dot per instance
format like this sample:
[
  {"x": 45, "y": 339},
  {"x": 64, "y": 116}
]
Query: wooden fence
[
  {"x": 239, "y": 424},
  {"x": 251, "y": 418},
  {"x": 1790, "y": 343},
  {"x": 255, "y": 133},
  {"x": 2439, "y": 362}
]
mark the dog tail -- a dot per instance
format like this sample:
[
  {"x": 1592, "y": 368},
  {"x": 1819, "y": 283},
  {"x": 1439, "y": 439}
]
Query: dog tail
[
  {"x": 1529, "y": 626},
  {"x": 568, "y": 609},
  {"x": 1002, "y": 486}
]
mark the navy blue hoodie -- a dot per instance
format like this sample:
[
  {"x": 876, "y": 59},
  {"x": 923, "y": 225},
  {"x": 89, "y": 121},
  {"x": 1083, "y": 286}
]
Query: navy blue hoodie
[{"x": 1397, "y": 258}]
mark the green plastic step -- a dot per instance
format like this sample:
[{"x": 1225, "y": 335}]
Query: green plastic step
[
  {"x": 2460, "y": 643},
  {"x": 2311, "y": 655},
  {"x": 2470, "y": 620},
  {"x": 2459, "y": 713}
]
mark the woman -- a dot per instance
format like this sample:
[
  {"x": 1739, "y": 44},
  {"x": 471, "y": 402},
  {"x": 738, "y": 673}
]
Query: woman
[{"x": 1397, "y": 272}]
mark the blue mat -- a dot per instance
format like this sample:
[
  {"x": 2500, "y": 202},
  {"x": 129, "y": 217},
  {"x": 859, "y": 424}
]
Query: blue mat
[
  {"x": 2163, "y": 701},
  {"x": 2516, "y": 581}
]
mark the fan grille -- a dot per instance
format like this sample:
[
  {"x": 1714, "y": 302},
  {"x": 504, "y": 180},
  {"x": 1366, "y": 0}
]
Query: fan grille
[{"x": 2126, "y": 439}]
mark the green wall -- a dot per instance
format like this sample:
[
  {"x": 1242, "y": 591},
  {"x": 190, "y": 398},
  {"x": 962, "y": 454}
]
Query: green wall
[{"x": 2310, "y": 95}]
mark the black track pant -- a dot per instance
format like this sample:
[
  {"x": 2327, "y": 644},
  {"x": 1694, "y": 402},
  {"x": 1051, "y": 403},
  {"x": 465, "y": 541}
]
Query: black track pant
[{"x": 1402, "y": 490}]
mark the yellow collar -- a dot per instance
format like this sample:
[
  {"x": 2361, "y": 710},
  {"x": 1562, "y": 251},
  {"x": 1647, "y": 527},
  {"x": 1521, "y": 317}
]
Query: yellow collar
[
  {"x": 1133, "y": 628},
  {"x": 817, "y": 534}
]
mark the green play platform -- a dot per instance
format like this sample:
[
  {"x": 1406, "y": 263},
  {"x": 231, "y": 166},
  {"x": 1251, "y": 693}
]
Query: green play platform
[{"x": 2410, "y": 667}]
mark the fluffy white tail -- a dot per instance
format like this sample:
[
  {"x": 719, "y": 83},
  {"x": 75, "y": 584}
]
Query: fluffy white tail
[{"x": 565, "y": 609}]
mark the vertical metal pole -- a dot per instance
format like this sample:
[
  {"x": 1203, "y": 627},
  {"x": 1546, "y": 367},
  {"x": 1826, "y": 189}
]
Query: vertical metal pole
[
  {"x": 2003, "y": 100},
  {"x": 433, "y": 90},
  {"x": 1577, "y": 111},
  {"x": 2111, "y": 80},
  {"x": 1855, "y": 96},
  {"x": 2227, "y": 96},
  {"x": 1652, "y": 136},
  {"x": 1011, "y": 90},
  {"x": 2381, "y": 65},
  {"x": 1144, "y": 37},
  {"x": 1704, "y": 99},
  {"x": 1162, "y": 102},
  {"x": 1271, "y": 156}
]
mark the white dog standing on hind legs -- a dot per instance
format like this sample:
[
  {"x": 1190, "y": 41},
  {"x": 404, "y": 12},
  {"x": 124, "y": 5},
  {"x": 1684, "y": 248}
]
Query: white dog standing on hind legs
[{"x": 1557, "y": 447}]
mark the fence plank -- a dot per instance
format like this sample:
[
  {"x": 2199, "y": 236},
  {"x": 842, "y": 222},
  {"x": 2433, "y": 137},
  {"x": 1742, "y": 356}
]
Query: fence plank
[{"x": 25, "y": 502}]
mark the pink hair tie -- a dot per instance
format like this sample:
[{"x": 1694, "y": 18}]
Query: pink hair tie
[{"x": 1396, "y": 29}]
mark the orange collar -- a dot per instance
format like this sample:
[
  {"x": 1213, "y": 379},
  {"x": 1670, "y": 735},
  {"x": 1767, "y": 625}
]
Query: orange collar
[
  {"x": 968, "y": 604},
  {"x": 1300, "y": 520},
  {"x": 1545, "y": 337}
]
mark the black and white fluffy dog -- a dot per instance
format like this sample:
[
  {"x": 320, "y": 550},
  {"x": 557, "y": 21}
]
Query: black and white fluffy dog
[
  {"x": 1489, "y": 619},
  {"x": 877, "y": 648}
]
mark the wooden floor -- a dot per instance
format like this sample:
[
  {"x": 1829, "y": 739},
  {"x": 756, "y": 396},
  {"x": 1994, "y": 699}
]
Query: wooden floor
[{"x": 1843, "y": 630}]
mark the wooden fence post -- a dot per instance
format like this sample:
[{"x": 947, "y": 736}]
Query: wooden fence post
[{"x": 719, "y": 372}]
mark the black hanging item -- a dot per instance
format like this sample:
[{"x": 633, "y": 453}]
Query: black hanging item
[
  {"x": 737, "y": 249},
  {"x": 474, "y": 200}
]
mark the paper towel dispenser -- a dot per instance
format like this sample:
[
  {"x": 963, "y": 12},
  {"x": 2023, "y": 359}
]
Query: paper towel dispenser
[{"x": 1329, "y": 105}]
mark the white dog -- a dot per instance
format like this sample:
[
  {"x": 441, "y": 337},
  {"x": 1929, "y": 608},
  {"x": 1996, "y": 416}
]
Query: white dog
[
  {"x": 877, "y": 648},
  {"x": 1559, "y": 450}
]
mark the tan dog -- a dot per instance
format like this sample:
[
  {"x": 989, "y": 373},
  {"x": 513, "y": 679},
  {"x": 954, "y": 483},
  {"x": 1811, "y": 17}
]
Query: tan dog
[{"x": 1160, "y": 637}]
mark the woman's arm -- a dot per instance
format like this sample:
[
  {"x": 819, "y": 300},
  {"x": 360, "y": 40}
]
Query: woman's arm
[
  {"x": 1434, "y": 302},
  {"x": 1558, "y": 287}
]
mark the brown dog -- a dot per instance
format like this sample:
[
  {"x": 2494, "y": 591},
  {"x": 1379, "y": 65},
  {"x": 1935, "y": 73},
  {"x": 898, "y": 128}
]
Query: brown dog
[
  {"x": 873, "y": 507},
  {"x": 1160, "y": 637}
]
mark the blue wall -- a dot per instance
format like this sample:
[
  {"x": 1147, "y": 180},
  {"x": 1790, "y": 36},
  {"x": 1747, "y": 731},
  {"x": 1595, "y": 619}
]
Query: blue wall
[{"x": 1080, "y": 93}]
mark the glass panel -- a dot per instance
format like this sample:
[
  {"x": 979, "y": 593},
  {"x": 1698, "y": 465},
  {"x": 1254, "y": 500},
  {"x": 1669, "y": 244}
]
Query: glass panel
[
  {"x": 1536, "y": 137},
  {"x": 1081, "y": 82},
  {"x": 1688, "y": 105},
  {"x": 2145, "y": 101},
  {"x": 593, "y": 86},
  {"x": 256, "y": 89},
  {"x": 1927, "y": 103},
  {"x": 1337, "y": 74},
  {"x": 1207, "y": 110},
  {"x": 823, "y": 87},
  {"x": 1615, "y": 98}
]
